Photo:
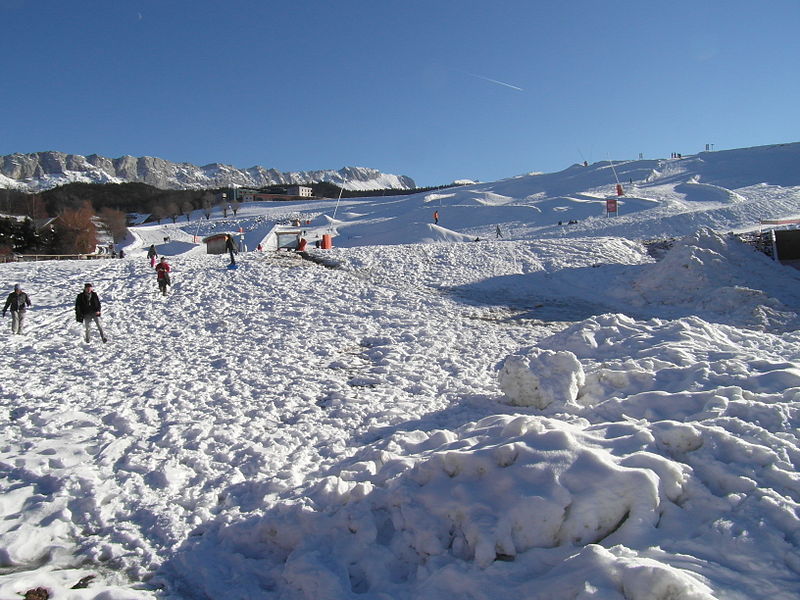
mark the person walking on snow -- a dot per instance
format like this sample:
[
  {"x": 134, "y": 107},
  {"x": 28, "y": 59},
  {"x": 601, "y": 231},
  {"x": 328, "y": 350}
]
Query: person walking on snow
[
  {"x": 152, "y": 255},
  {"x": 18, "y": 302},
  {"x": 87, "y": 309},
  {"x": 436, "y": 217},
  {"x": 162, "y": 275},
  {"x": 231, "y": 248}
]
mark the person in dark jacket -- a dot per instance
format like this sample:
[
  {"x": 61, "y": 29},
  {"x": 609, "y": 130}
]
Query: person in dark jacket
[
  {"x": 18, "y": 302},
  {"x": 230, "y": 246},
  {"x": 87, "y": 309},
  {"x": 152, "y": 255}
]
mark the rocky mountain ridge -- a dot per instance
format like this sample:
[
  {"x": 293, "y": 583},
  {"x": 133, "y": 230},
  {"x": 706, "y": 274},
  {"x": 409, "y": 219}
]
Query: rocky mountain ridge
[{"x": 40, "y": 171}]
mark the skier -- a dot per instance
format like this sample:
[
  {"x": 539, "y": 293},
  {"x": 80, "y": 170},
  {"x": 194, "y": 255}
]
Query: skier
[
  {"x": 87, "y": 309},
  {"x": 436, "y": 217},
  {"x": 152, "y": 255},
  {"x": 18, "y": 302},
  {"x": 498, "y": 232},
  {"x": 162, "y": 275}
]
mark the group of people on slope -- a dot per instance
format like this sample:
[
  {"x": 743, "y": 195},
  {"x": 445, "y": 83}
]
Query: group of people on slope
[
  {"x": 87, "y": 310},
  {"x": 87, "y": 303}
]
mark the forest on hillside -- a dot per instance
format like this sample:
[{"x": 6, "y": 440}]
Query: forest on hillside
[{"x": 66, "y": 219}]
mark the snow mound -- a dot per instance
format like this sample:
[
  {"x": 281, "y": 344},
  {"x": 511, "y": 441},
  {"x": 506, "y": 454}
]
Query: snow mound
[
  {"x": 409, "y": 509},
  {"x": 617, "y": 574},
  {"x": 720, "y": 278},
  {"x": 541, "y": 378},
  {"x": 433, "y": 197},
  {"x": 491, "y": 199}
]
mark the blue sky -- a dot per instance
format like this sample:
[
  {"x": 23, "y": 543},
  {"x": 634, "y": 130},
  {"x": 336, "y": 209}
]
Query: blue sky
[{"x": 434, "y": 89}]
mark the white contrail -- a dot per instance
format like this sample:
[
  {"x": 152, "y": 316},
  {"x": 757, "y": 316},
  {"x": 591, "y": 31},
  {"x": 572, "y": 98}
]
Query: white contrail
[{"x": 513, "y": 87}]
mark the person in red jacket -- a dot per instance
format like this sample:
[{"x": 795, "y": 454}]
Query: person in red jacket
[{"x": 162, "y": 273}]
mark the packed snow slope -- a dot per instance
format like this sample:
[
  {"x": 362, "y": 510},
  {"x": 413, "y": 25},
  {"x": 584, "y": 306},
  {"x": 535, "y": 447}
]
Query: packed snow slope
[
  {"x": 555, "y": 416},
  {"x": 729, "y": 190}
]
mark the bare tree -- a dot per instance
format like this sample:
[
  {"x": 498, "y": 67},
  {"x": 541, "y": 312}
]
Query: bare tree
[
  {"x": 171, "y": 210},
  {"x": 75, "y": 232},
  {"x": 157, "y": 210},
  {"x": 38, "y": 208},
  {"x": 116, "y": 222},
  {"x": 186, "y": 209},
  {"x": 207, "y": 202}
]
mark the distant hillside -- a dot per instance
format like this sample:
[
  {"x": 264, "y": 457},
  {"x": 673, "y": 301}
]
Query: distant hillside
[{"x": 45, "y": 170}]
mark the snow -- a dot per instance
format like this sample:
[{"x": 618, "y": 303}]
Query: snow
[{"x": 556, "y": 414}]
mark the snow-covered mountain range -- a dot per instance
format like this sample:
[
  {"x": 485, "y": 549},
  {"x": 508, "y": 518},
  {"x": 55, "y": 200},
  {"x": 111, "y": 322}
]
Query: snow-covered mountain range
[{"x": 45, "y": 170}]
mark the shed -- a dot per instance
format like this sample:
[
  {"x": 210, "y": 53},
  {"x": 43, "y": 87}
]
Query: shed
[
  {"x": 283, "y": 238},
  {"x": 785, "y": 242},
  {"x": 215, "y": 244},
  {"x": 287, "y": 237}
]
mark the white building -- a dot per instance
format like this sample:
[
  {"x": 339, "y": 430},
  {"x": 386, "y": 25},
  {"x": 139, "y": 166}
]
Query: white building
[{"x": 299, "y": 190}]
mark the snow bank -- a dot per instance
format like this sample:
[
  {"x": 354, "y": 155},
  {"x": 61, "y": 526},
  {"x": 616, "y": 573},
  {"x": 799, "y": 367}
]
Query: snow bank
[
  {"x": 717, "y": 274},
  {"x": 396, "y": 517}
]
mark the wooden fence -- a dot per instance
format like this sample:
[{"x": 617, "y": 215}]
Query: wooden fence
[{"x": 37, "y": 257}]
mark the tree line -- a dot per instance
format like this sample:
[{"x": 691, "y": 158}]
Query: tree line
[{"x": 64, "y": 220}]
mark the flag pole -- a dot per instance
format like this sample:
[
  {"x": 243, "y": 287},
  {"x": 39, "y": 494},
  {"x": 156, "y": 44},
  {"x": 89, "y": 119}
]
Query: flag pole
[{"x": 341, "y": 189}]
